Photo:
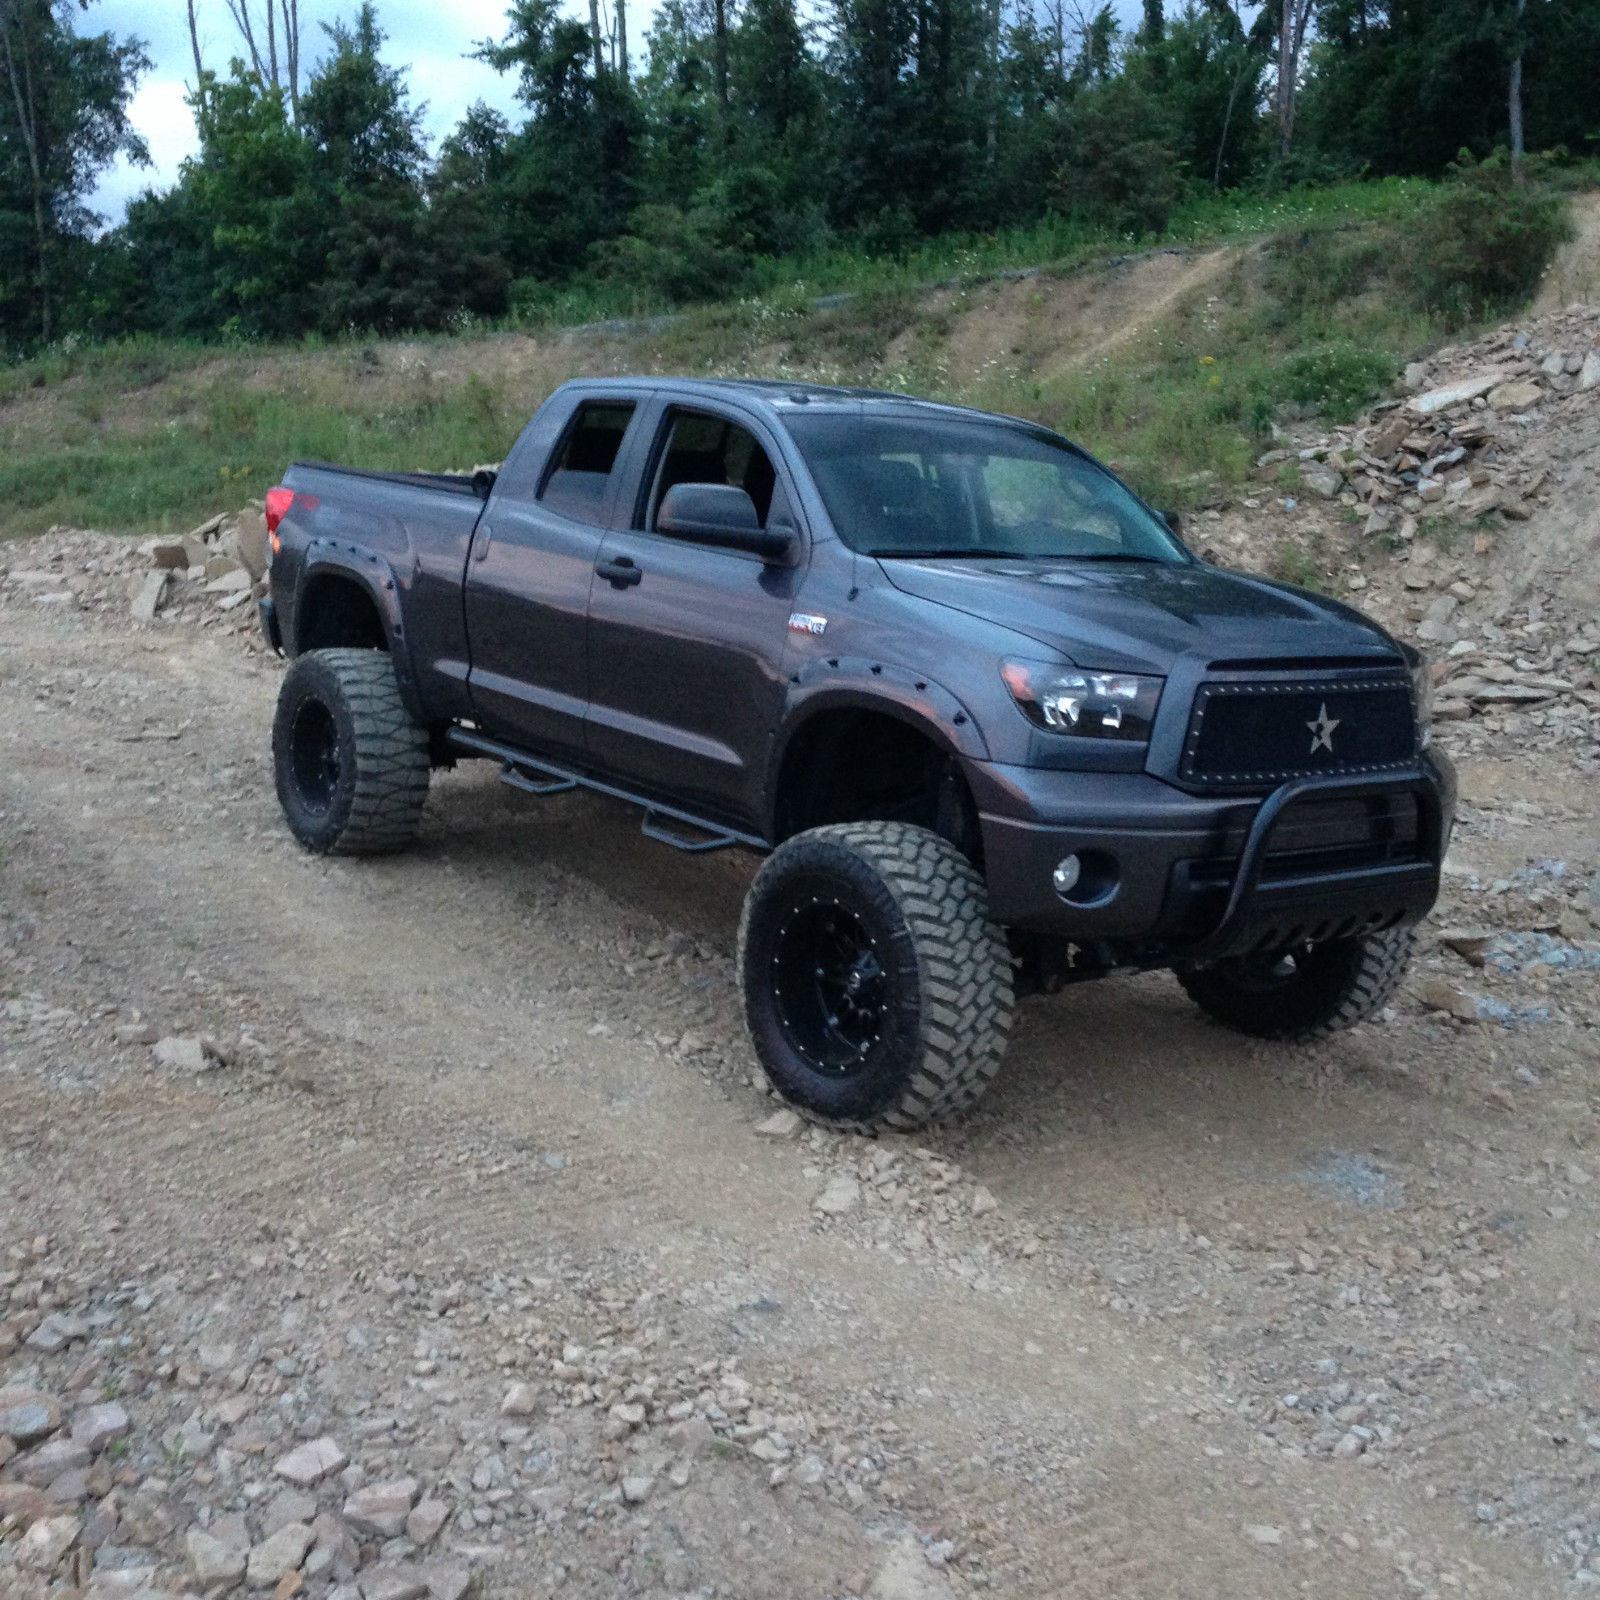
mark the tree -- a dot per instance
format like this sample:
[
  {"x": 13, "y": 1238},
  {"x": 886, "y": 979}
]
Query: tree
[
  {"x": 63, "y": 119},
  {"x": 1294, "y": 16}
]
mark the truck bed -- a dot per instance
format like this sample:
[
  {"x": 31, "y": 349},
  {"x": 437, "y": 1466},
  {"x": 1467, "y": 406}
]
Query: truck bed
[{"x": 446, "y": 482}]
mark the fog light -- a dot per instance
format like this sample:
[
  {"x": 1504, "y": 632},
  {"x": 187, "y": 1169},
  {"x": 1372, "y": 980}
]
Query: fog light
[{"x": 1065, "y": 878}]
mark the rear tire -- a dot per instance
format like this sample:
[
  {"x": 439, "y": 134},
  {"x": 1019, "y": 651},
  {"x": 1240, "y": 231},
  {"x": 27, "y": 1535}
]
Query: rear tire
[
  {"x": 350, "y": 760},
  {"x": 1307, "y": 993},
  {"x": 877, "y": 992}
]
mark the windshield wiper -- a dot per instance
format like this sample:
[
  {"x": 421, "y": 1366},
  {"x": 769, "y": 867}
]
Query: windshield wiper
[{"x": 932, "y": 554}]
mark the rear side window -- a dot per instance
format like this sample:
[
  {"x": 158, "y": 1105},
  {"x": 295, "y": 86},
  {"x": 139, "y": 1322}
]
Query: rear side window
[{"x": 576, "y": 486}]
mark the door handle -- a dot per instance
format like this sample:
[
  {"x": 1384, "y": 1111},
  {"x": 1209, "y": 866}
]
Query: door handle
[
  {"x": 620, "y": 573},
  {"x": 480, "y": 551}
]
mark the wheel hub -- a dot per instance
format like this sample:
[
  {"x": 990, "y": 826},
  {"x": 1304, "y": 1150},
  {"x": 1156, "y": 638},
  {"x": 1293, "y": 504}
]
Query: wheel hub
[
  {"x": 314, "y": 754},
  {"x": 830, "y": 986}
]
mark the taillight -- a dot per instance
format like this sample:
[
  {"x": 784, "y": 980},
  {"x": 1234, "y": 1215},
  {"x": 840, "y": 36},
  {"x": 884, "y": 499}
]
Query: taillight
[{"x": 278, "y": 503}]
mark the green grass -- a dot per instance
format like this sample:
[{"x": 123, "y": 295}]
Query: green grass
[{"x": 1314, "y": 319}]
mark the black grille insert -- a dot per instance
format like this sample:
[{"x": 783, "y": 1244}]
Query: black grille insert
[{"x": 1243, "y": 735}]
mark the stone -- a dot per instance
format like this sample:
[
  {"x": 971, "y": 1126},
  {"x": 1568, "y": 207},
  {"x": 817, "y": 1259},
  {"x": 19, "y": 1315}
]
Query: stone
[
  {"x": 95, "y": 1427},
  {"x": 180, "y": 1054},
  {"x": 21, "y": 1504},
  {"x": 151, "y": 593},
  {"x": 288, "y": 1505},
  {"x": 1589, "y": 372},
  {"x": 45, "y": 1463},
  {"x": 1263, "y": 1533},
  {"x": 1416, "y": 374},
  {"x": 252, "y": 544},
  {"x": 309, "y": 1464},
  {"x": 46, "y": 1543},
  {"x": 983, "y": 1202},
  {"x": 1325, "y": 480},
  {"x": 1440, "y": 996},
  {"x": 281, "y": 1553},
  {"x": 1455, "y": 394},
  {"x": 838, "y": 1197},
  {"x": 217, "y": 1568},
  {"x": 381, "y": 1509},
  {"x": 521, "y": 1400},
  {"x": 27, "y": 1416},
  {"x": 637, "y": 1488},
  {"x": 426, "y": 1520},
  {"x": 56, "y": 1332},
  {"x": 206, "y": 529},
  {"x": 1517, "y": 395},
  {"x": 168, "y": 556},
  {"x": 783, "y": 1124},
  {"x": 447, "y": 1580},
  {"x": 390, "y": 1580},
  {"x": 233, "y": 581}
]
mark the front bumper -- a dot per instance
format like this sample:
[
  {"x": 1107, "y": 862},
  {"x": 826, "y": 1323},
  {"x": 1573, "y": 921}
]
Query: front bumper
[{"x": 1202, "y": 876}]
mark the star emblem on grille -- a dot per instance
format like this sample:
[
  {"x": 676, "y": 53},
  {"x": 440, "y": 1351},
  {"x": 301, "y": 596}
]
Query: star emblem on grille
[{"x": 1322, "y": 726}]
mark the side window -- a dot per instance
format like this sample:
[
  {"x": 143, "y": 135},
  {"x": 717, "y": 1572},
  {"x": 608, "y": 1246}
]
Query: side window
[
  {"x": 706, "y": 449},
  {"x": 576, "y": 484}
]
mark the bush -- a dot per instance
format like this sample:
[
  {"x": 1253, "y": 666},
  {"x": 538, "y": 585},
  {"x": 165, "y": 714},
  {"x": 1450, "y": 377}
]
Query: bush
[
  {"x": 1335, "y": 379},
  {"x": 1484, "y": 242}
]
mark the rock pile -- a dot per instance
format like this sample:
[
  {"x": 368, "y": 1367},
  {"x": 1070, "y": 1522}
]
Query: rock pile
[
  {"x": 223, "y": 561},
  {"x": 1451, "y": 446}
]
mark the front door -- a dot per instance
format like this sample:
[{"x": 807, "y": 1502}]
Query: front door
[
  {"x": 528, "y": 581},
  {"x": 686, "y": 642}
]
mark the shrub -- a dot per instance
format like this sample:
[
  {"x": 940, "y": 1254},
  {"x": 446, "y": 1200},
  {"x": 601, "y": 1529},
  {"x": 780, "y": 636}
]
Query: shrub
[
  {"x": 1485, "y": 240},
  {"x": 1335, "y": 379}
]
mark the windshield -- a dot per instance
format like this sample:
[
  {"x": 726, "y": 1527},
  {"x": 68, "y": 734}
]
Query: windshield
[{"x": 913, "y": 486}]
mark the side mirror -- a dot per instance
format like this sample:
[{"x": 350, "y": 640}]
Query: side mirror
[
  {"x": 723, "y": 515},
  {"x": 483, "y": 482},
  {"x": 1174, "y": 521}
]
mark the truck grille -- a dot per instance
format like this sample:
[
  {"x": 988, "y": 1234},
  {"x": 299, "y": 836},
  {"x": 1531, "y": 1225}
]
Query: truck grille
[{"x": 1244, "y": 735}]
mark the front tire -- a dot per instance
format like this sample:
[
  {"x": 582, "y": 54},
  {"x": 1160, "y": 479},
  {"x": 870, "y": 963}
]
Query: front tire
[
  {"x": 877, "y": 992},
  {"x": 350, "y": 760},
  {"x": 1305, "y": 993}
]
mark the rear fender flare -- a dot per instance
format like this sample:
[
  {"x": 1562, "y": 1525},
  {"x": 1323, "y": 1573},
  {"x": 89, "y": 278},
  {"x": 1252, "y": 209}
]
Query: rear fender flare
[{"x": 373, "y": 574}]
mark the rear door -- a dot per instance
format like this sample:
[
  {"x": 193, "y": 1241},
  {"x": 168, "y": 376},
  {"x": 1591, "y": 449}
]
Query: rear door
[
  {"x": 686, "y": 642},
  {"x": 532, "y": 564}
]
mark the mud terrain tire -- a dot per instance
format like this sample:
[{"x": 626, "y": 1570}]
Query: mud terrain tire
[
  {"x": 877, "y": 992},
  {"x": 1330, "y": 987},
  {"x": 351, "y": 762}
]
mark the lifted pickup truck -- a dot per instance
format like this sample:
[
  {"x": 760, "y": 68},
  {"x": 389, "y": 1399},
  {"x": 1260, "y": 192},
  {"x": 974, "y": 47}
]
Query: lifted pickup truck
[{"x": 992, "y": 725}]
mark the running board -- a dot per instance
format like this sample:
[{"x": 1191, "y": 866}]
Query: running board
[{"x": 537, "y": 776}]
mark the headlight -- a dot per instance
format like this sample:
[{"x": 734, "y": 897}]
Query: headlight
[
  {"x": 1101, "y": 705},
  {"x": 1422, "y": 700}
]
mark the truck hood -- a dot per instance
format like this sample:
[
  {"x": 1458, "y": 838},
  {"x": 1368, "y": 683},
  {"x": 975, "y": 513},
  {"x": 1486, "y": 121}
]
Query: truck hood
[{"x": 1141, "y": 617}]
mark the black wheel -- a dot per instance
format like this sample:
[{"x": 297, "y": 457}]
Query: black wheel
[
  {"x": 877, "y": 992},
  {"x": 1304, "y": 992},
  {"x": 350, "y": 760}
]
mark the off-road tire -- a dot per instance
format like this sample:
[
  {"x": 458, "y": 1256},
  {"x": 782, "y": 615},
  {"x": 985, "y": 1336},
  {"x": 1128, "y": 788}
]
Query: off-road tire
[
  {"x": 351, "y": 762},
  {"x": 1334, "y": 986},
  {"x": 947, "y": 1000}
]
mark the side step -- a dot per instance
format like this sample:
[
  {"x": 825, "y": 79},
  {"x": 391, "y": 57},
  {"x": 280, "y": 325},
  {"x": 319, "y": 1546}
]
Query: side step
[{"x": 534, "y": 775}]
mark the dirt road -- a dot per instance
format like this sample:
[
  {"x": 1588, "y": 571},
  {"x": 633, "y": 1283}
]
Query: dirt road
[{"x": 470, "y": 1182}]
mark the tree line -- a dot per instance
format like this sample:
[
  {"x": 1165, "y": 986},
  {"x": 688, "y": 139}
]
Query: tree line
[{"x": 743, "y": 128}]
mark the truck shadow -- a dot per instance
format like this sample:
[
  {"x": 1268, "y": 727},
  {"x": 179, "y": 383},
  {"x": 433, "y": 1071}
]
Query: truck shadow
[{"x": 1098, "y": 1065}]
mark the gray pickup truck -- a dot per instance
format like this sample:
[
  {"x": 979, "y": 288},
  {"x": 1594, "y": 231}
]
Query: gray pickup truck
[{"x": 992, "y": 725}]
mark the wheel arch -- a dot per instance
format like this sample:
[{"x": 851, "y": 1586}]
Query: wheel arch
[{"x": 347, "y": 598}]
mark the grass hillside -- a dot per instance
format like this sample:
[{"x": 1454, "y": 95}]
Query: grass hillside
[{"x": 1174, "y": 362}]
